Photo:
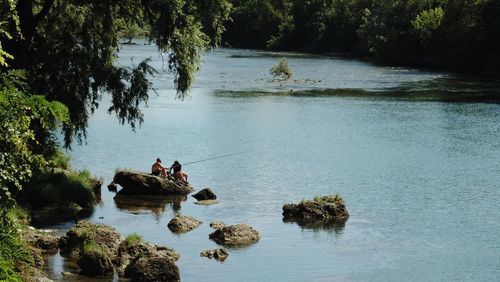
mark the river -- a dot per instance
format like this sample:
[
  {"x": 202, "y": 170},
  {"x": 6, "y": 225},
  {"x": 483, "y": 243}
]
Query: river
[{"x": 415, "y": 155}]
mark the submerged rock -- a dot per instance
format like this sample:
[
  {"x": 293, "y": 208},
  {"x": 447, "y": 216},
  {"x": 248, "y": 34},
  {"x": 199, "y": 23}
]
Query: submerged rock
[
  {"x": 140, "y": 183},
  {"x": 129, "y": 250},
  {"x": 326, "y": 208},
  {"x": 181, "y": 224},
  {"x": 233, "y": 235},
  {"x": 152, "y": 269},
  {"x": 95, "y": 263},
  {"x": 103, "y": 236},
  {"x": 205, "y": 194},
  {"x": 218, "y": 254}
]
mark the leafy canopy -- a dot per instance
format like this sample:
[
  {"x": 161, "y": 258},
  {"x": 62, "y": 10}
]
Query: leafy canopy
[{"x": 69, "y": 49}]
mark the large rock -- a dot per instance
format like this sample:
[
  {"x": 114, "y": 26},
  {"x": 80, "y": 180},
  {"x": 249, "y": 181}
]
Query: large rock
[
  {"x": 234, "y": 235},
  {"x": 103, "y": 236},
  {"x": 139, "y": 183},
  {"x": 205, "y": 194},
  {"x": 95, "y": 263},
  {"x": 325, "y": 208},
  {"x": 144, "y": 269},
  {"x": 181, "y": 224},
  {"x": 128, "y": 251}
]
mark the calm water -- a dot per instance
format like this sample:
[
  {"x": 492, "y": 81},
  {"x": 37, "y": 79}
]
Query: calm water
[{"x": 415, "y": 155}]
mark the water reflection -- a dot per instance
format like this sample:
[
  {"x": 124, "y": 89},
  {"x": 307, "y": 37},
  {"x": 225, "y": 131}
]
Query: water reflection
[
  {"x": 318, "y": 225},
  {"x": 145, "y": 203}
]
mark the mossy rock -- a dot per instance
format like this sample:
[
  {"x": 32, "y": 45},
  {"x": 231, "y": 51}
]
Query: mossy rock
[
  {"x": 104, "y": 237},
  {"x": 235, "y": 235},
  {"x": 130, "y": 250},
  {"x": 326, "y": 208},
  {"x": 182, "y": 224},
  {"x": 95, "y": 263},
  {"x": 145, "y": 269}
]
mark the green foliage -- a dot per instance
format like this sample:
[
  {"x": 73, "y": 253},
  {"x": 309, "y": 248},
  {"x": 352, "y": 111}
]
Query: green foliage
[
  {"x": 59, "y": 186},
  {"x": 8, "y": 11},
  {"x": 460, "y": 35},
  {"x": 18, "y": 143},
  {"x": 281, "y": 69},
  {"x": 59, "y": 160},
  {"x": 428, "y": 21},
  {"x": 69, "y": 49},
  {"x": 133, "y": 239},
  {"x": 12, "y": 249}
]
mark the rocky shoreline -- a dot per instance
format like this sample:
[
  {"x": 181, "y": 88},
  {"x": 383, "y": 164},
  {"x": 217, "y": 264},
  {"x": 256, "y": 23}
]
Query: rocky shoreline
[{"x": 99, "y": 250}]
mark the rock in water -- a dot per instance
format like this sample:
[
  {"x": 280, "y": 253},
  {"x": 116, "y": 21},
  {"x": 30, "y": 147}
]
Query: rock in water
[
  {"x": 320, "y": 208},
  {"x": 181, "y": 224},
  {"x": 139, "y": 183},
  {"x": 128, "y": 251},
  {"x": 103, "y": 236},
  {"x": 205, "y": 194},
  {"x": 143, "y": 269},
  {"x": 218, "y": 254},
  {"x": 95, "y": 263},
  {"x": 234, "y": 235}
]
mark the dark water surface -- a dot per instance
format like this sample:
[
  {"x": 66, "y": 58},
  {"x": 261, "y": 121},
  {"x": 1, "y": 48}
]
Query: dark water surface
[{"x": 416, "y": 156}]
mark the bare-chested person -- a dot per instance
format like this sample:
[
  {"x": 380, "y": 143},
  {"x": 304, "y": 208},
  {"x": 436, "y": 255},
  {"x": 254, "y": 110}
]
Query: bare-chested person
[{"x": 159, "y": 170}]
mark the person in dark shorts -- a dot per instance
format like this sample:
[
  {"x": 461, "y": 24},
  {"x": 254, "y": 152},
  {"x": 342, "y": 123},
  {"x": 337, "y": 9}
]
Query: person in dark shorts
[{"x": 159, "y": 170}]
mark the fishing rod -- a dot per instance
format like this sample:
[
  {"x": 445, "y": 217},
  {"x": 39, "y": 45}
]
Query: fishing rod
[{"x": 218, "y": 157}]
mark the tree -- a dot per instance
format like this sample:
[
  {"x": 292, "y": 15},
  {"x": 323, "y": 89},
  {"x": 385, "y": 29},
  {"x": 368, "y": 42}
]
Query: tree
[{"x": 68, "y": 48}]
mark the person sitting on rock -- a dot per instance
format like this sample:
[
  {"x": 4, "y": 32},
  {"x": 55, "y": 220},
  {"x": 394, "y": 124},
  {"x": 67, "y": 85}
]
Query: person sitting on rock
[
  {"x": 158, "y": 170},
  {"x": 177, "y": 173}
]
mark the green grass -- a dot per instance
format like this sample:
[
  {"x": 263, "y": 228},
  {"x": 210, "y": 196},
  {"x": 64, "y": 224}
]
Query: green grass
[
  {"x": 13, "y": 250},
  {"x": 326, "y": 199},
  {"x": 133, "y": 239},
  {"x": 91, "y": 246},
  {"x": 54, "y": 187},
  {"x": 59, "y": 160},
  {"x": 330, "y": 199}
]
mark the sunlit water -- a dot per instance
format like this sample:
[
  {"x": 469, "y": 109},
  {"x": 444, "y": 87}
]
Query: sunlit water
[{"x": 420, "y": 174}]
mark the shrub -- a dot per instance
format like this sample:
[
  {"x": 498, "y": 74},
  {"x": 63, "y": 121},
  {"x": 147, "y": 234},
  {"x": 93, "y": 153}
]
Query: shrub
[
  {"x": 49, "y": 188},
  {"x": 281, "y": 70},
  {"x": 12, "y": 249}
]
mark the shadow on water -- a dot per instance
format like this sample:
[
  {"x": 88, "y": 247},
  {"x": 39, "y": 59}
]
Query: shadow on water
[
  {"x": 448, "y": 89},
  {"x": 318, "y": 225},
  {"x": 144, "y": 203},
  {"x": 62, "y": 268}
]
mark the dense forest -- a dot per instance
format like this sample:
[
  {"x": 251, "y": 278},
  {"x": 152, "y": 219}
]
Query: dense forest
[{"x": 457, "y": 35}]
